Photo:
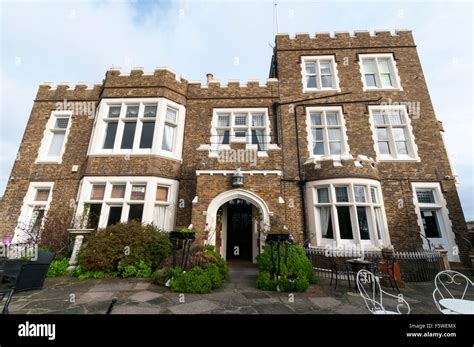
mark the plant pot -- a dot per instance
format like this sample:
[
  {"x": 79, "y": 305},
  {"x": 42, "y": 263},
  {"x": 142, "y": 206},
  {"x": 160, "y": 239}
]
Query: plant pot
[
  {"x": 28, "y": 275},
  {"x": 182, "y": 236},
  {"x": 277, "y": 237}
]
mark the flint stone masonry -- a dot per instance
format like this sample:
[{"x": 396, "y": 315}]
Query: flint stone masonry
[{"x": 288, "y": 134}]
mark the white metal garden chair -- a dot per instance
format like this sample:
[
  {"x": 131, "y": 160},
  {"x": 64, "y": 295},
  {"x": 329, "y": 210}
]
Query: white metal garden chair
[
  {"x": 451, "y": 288},
  {"x": 373, "y": 295}
]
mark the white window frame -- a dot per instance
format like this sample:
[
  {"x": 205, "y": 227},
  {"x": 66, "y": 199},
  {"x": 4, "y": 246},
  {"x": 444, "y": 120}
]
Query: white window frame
[
  {"x": 148, "y": 203},
  {"x": 317, "y": 59},
  {"x": 100, "y": 127},
  {"x": 28, "y": 207},
  {"x": 48, "y": 135},
  {"x": 393, "y": 72},
  {"x": 215, "y": 147},
  {"x": 440, "y": 205},
  {"x": 410, "y": 138},
  {"x": 317, "y": 239},
  {"x": 345, "y": 150}
]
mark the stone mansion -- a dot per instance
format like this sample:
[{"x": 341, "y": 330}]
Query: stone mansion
[{"x": 340, "y": 146}]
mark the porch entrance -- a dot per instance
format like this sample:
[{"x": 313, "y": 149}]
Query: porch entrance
[{"x": 239, "y": 230}]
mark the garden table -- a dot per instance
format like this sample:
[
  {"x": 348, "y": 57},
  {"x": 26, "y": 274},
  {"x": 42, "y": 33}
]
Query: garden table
[
  {"x": 458, "y": 305},
  {"x": 358, "y": 264}
]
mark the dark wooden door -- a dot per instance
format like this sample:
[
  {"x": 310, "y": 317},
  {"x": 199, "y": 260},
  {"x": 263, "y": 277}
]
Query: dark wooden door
[{"x": 239, "y": 230}]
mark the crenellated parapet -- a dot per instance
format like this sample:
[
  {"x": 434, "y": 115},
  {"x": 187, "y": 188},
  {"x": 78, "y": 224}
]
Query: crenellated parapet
[
  {"x": 362, "y": 38},
  {"x": 82, "y": 91},
  {"x": 251, "y": 88},
  {"x": 162, "y": 82}
]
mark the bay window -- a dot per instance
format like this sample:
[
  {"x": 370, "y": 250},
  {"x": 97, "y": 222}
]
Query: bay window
[
  {"x": 139, "y": 126},
  {"x": 346, "y": 211},
  {"x": 109, "y": 200}
]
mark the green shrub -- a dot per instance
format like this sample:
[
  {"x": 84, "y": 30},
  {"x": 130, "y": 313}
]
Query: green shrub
[
  {"x": 82, "y": 275},
  {"x": 295, "y": 275},
  {"x": 301, "y": 284},
  {"x": 58, "y": 268},
  {"x": 195, "y": 281},
  {"x": 128, "y": 243},
  {"x": 212, "y": 271},
  {"x": 264, "y": 281},
  {"x": 141, "y": 269}
]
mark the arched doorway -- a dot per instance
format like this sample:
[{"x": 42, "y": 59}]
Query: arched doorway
[{"x": 234, "y": 211}]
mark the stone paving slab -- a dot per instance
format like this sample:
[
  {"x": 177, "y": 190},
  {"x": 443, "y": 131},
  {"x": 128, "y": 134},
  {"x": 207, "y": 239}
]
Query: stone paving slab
[
  {"x": 95, "y": 297},
  {"x": 135, "y": 309},
  {"x": 237, "y": 296},
  {"x": 196, "y": 307},
  {"x": 325, "y": 302},
  {"x": 144, "y": 296}
]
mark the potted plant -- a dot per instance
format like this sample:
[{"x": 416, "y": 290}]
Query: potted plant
[
  {"x": 278, "y": 233},
  {"x": 387, "y": 251},
  {"x": 184, "y": 233}
]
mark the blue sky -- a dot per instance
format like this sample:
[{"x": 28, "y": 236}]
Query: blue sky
[{"x": 78, "y": 41}]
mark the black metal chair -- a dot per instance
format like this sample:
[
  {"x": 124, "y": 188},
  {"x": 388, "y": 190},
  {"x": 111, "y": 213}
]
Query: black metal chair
[{"x": 339, "y": 268}]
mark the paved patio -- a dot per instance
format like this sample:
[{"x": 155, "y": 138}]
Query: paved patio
[{"x": 68, "y": 295}]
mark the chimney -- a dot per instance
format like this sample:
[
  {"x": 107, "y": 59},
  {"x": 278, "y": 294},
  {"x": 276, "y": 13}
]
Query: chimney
[{"x": 210, "y": 77}]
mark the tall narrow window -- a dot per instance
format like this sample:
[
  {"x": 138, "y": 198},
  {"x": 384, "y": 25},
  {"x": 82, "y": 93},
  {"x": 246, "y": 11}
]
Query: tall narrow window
[
  {"x": 319, "y": 73},
  {"x": 169, "y": 129},
  {"x": 129, "y": 127},
  {"x": 392, "y": 133},
  {"x": 148, "y": 126},
  {"x": 379, "y": 71},
  {"x": 55, "y": 135}
]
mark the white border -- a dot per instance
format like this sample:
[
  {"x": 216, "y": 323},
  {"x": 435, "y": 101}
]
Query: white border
[
  {"x": 393, "y": 71},
  {"x": 98, "y": 132},
  {"x": 312, "y": 58},
  {"x": 28, "y": 206},
  {"x": 345, "y": 150},
  {"x": 315, "y": 233},
  {"x": 149, "y": 202},
  {"x": 413, "y": 148},
  {"x": 42, "y": 157},
  {"x": 440, "y": 205}
]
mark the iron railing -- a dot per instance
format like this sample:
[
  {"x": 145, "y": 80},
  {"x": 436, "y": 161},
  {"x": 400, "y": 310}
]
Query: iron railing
[{"x": 416, "y": 266}]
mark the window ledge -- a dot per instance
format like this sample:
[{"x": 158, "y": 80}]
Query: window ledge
[
  {"x": 48, "y": 161},
  {"x": 161, "y": 155},
  {"x": 385, "y": 89},
  {"x": 312, "y": 160},
  {"x": 397, "y": 160},
  {"x": 316, "y": 90}
]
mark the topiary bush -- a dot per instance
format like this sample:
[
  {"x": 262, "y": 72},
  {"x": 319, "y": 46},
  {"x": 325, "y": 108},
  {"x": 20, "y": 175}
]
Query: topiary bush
[
  {"x": 296, "y": 275},
  {"x": 125, "y": 243}
]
